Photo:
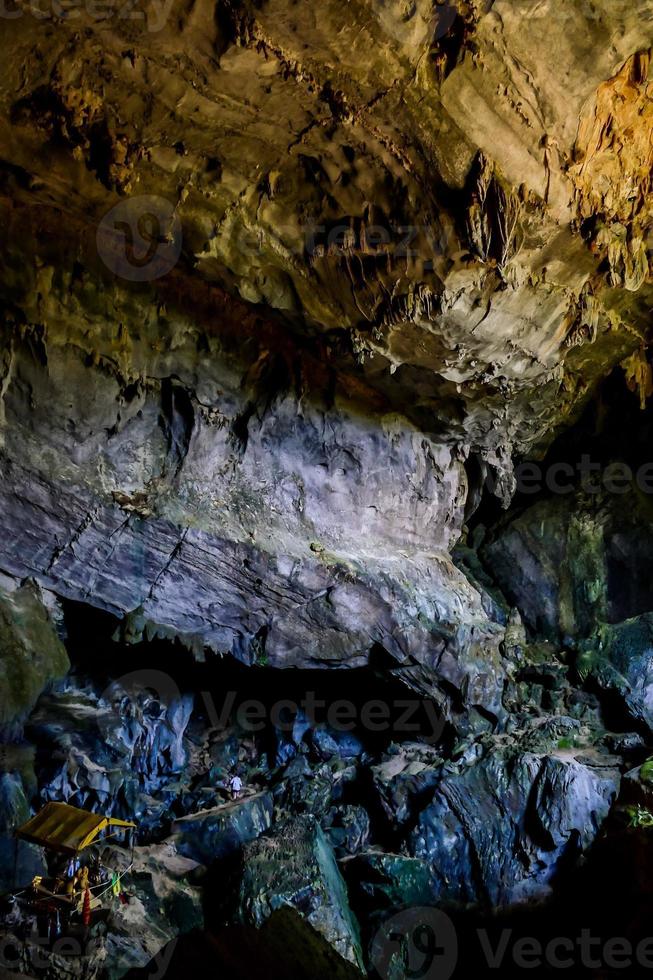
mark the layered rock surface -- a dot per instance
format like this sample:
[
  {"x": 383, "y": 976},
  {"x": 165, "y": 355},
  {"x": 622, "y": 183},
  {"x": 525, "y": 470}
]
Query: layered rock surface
[{"x": 285, "y": 293}]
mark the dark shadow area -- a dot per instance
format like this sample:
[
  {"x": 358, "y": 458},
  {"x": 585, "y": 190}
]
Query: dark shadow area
[
  {"x": 601, "y": 912},
  {"x": 585, "y": 508},
  {"x": 600, "y": 925},
  {"x": 613, "y": 428},
  {"x": 366, "y": 701}
]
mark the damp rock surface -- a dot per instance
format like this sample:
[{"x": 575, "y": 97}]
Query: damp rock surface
[
  {"x": 31, "y": 653},
  {"x": 295, "y": 868},
  {"x": 498, "y": 831},
  {"x": 209, "y": 835},
  {"x": 397, "y": 262},
  {"x": 287, "y": 296}
]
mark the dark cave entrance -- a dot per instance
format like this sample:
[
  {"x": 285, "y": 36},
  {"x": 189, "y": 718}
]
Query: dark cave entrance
[
  {"x": 277, "y": 713},
  {"x": 369, "y": 702},
  {"x": 612, "y": 428},
  {"x": 600, "y": 467},
  {"x": 583, "y": 900}
]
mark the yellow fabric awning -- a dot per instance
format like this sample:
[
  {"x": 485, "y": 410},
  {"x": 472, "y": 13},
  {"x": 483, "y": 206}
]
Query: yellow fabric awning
[{"x": 66, "y": 828}]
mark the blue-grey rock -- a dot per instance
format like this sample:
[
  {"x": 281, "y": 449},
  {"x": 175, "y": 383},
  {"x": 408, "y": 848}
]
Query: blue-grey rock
[
  {"x": 497, "y": 832},
  {"x": 294, "y": 868},
  {"x": 382, "y": 883},
  {"x": 209, "y": 835},
  {"x": 619, "y": 658},
  {"x": 348, "y": 828},
  {"x": 19, "y": 861}
]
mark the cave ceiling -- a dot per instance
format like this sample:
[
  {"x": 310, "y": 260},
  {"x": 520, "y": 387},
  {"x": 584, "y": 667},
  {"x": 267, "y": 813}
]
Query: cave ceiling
[{"x": 397, "y": 235}]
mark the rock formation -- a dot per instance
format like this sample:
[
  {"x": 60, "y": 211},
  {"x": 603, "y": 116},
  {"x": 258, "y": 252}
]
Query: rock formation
[{"x": 289, "y": 295}]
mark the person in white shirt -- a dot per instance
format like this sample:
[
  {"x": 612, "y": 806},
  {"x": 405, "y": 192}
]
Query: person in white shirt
[{"x": 236, "y": 786}]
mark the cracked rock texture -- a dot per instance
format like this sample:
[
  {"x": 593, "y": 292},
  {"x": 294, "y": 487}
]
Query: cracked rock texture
[
  {"x": 499, "y": 831},
  {"x": 295, "y": 870},
  {"x": 286, "y": 293}
]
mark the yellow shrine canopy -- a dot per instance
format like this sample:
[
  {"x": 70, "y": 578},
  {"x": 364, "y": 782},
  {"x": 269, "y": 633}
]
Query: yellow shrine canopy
[{"x": 66, "y": 828}]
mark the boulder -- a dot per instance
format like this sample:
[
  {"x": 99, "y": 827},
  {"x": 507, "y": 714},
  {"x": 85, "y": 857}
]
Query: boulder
[
  {"x": 19, "y": 861},
  {"x": 348, "y": 829},
  {"x": 498, "y": 831},
  {"x": 619, "y": 659},
  {"x": 402, "y": 776},
  {"x": 216, "y": 833},
  {"x": 304, "y": 788},
  {"x": 120, "y": 752},
  {"x": 326, "y": 744},
  {"x": 162, "y": 905},
  {"x": 381, "y": 883},
  {"x": 31, "y": 653},
  {"x": 294, "y": 869},
  {"x": 571, "y": 560}
]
